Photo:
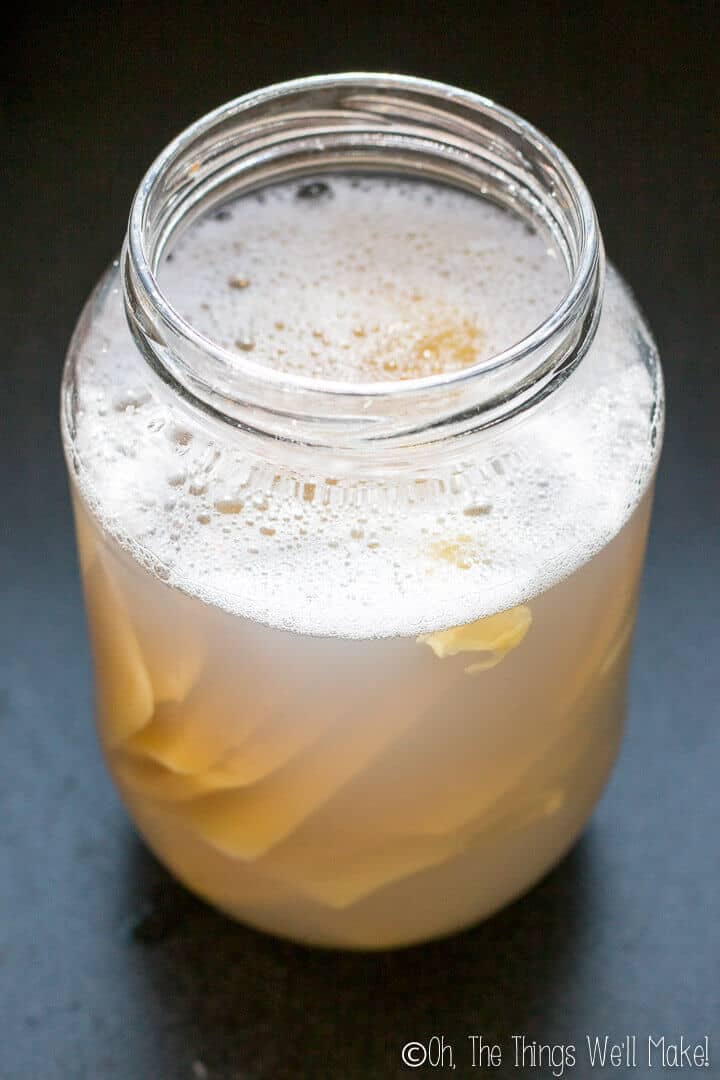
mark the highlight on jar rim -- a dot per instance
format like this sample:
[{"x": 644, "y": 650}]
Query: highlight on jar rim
[{"x": 361, "y": 431}]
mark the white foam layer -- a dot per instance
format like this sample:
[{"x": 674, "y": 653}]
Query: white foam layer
[
  {"x": 363, "y": 279},
  {"x": 369, "y": 279}
]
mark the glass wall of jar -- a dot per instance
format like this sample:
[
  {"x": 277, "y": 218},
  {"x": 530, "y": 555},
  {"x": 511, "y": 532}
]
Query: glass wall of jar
[{"x": 361, "y": 437}]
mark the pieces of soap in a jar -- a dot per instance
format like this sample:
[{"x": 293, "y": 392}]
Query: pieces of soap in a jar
[
  {"x": 190, "y": 737},
  {"x": 340, "y": 878},
  {"x": 174, "y": 661},
  {"x": 246, "y": 737},
  {"x": 173, "y": 676},
  {"x": 157, "y": 784},
  {"x": 125, "y": 693},
  {"x": 249, "y": 822},
  {"x": 495, "y": 635}
]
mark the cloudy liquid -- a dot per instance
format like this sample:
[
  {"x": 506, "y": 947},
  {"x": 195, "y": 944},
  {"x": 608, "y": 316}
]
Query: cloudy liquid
[{"x": 360, "y": 713}]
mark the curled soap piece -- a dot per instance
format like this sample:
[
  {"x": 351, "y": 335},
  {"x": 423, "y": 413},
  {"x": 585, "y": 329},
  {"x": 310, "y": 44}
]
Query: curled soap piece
[
  {"x": 224, "y": 741},
  {"x": 248, "y": 822},
  {"x": 158, "y": 785},
  {"x": 124, "y": 689},
  {"x": 341, "y": 877},
  {"x": 174, "y": 662},
  {"x": 495, "y": 635}
]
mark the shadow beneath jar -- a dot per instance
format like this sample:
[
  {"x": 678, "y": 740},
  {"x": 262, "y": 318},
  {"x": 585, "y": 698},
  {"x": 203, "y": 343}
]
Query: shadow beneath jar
[{"x": 236, "y": 1004}]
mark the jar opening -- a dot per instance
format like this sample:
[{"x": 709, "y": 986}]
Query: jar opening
[{"x": 362, "y": 123}]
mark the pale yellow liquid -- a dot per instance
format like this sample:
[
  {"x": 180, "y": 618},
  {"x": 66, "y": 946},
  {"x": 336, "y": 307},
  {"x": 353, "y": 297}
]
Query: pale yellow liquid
[{"x": 359, "y": 793}]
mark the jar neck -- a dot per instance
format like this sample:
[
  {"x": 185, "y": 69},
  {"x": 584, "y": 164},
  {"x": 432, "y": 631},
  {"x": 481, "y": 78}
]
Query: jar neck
[{"x": 368, "y": 123}]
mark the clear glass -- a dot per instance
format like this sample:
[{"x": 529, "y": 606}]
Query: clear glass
[{"x": 326, "y": 754}]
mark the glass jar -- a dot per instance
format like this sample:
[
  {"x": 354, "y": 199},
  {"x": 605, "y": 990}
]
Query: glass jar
[{"x": 361, "y": 647}]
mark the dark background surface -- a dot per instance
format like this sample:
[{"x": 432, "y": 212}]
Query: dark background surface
[{"x": 107, "y": 968}]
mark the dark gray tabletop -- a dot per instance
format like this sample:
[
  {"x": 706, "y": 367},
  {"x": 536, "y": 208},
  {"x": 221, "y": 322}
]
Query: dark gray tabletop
[{"x": 108, "y": 969}]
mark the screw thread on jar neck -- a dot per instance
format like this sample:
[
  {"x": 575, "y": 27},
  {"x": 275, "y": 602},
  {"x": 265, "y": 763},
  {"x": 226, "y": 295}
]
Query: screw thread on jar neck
[{"x": 370, "y": 123}]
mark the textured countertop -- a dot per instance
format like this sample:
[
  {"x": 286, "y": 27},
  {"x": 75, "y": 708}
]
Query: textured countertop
[{"x": 108, "y": 969}]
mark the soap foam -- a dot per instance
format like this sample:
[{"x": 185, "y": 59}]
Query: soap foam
[
  {"x": 355, "y": 280},
  {"x": 362, "y": 280}
]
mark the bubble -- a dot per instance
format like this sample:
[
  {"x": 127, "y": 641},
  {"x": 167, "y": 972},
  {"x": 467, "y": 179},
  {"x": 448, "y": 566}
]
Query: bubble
[
  {"x": 228, "y": 505},
  {"x": 313, "y": 191},
  {"x": 180, "y": 436},
  {"x": 130, "y": 398}
]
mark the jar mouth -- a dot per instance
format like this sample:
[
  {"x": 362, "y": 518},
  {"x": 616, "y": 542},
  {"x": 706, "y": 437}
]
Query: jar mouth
[{"x": 371, "y": 123}]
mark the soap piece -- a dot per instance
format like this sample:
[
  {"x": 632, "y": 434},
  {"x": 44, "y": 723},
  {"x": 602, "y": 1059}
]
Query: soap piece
[{"x": 496, "y": 635}]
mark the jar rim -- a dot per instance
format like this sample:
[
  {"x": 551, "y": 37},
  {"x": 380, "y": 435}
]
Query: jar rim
[{"x": 329, "y": 412}]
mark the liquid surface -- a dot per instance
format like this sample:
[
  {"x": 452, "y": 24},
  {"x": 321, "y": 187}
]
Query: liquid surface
[
  {"x": 363, "y": 280},
  {"x": 382, "y": 280}
]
